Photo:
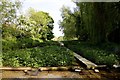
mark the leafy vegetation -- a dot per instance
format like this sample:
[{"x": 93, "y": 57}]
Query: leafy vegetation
[
  {"x": 19, "y": 31},
  {"x": 100, "y": 54},
  {"x": 26, "y": 39},
  {"x": 97, "y": 27},
  {"x": 68, "y": 20},
  {"x": 93, "y": 22},
  {"x": 38, "y": 56},
  {"x": 8, "y": 10},
  {"x": 22, "y": 39},
  {"x": 39, "y": 23}
]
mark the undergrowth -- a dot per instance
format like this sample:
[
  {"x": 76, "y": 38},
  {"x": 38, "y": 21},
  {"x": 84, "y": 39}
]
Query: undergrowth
[
  {"x": 39, "y": 56},
  {"x": 106, "y": 53}
]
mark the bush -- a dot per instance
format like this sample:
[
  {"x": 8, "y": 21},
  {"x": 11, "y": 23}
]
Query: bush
[
  {"x": 8, "y": 44},
  {"x": 36, "y": 57},
  {"x": 101, "y": 57},
  {"x": 99, "y": 54}
]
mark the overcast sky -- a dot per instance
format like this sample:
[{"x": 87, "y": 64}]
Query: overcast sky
[{"x": 50, "y": 6}]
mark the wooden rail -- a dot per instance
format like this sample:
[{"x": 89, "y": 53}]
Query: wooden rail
[
  {"x": 14, "y": 68},
  {"x": 58, "y": 68},
  {"x": 41, "y": 68}
]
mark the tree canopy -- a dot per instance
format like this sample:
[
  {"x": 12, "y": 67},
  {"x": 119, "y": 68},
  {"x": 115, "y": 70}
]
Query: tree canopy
[
  {"x": 92, "y": 21},
  {"x": 44, "y": 24},
  {"x": 8, "y": 10},
  {"x": 68, "y": 23},
  {"x": 23, "y": 31}
]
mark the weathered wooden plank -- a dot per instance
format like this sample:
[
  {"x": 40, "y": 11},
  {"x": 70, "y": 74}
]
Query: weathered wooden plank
[
  {"x": 88, "y": 63},
  {"x": 58, "y": 68},
  {"x": 41, "y": 68},
  {"x": 13, "y": 68}
]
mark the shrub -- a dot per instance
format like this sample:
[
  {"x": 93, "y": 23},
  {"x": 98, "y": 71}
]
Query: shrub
[
  {"x": 36, "y": 57},
  {"x": 99, "y": 54}
]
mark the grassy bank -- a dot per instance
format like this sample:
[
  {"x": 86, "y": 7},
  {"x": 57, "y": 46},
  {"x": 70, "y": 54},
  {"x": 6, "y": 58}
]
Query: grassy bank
[
  {"x": 46, "y": 54},
  {"x": 106, "y": 53}
]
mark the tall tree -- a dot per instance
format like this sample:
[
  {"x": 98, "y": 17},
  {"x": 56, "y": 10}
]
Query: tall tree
[
  {"x": 99, "y": 19},
  {"x": 44, "y": 24},
  {"x": 68, "y": 23},
  {"x": 8, "y": 10},
  {"x": 71, "y": 24},
  {"x": 8, "y": 19},
  {"x": 93, "y": 21}
]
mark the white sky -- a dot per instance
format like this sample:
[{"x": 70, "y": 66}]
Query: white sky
[{"x": 50, "y": 6}]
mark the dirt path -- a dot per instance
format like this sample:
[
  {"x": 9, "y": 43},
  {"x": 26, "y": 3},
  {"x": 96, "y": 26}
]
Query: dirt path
[{"x": 85, "y": 74}]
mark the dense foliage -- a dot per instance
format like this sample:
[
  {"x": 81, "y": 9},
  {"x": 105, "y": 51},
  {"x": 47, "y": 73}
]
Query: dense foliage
[
  {"x": 68, "y": 21},
  {"x": 94, "y": 22},
  {"x": 38, "y": 56},
  {"x": 19, "y": 31},
  {"x": 43, "y": 24},
  {"x": 22, "y": 35},
  {"x": 25, "y": 39},
  {"x": 106, "y": 53},
  {"x": 97, "y": 27},
  {"x": 8, "y": 10}
]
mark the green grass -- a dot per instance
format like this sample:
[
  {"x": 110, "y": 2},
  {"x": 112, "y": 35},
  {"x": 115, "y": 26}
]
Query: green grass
[
  {"x": 100, "y": 54},
  {"x": 39, "y": 56}
]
